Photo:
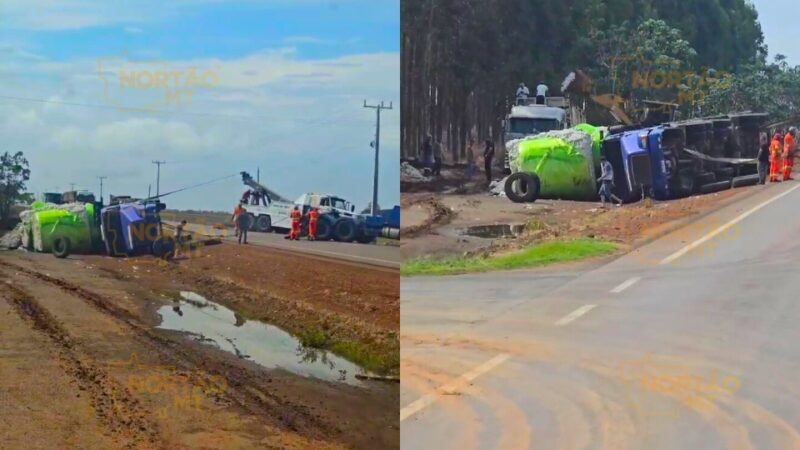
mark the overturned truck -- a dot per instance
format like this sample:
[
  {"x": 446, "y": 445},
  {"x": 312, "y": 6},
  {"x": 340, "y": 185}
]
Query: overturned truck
[
  {"x": 125, "y": 229},
  {"x": 666, "y": 161},
  {"x": 679, "y": 159}
]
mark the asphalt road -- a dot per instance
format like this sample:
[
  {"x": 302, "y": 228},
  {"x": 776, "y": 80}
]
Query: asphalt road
[
  {"x": 690, "y": 342},
  {"x": 370, "y": 254}
]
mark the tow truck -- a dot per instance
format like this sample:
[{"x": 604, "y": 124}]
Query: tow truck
[{"x": 267, "y": 211}]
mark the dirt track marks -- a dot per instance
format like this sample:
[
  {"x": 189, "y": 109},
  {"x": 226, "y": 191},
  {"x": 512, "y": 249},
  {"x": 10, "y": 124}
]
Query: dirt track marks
[
  {"x": 113, "y": 404},
  {"x": 245, "y": 388}
]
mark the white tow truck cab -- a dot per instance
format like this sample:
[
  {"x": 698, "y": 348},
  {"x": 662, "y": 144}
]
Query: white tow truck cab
[
  {"x": 526, "y": 118},
  {"x": 326, "y": 203}
]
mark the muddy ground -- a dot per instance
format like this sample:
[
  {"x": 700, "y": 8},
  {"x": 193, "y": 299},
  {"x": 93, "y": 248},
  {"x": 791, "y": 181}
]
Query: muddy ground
[
  {"x": 83, "y": 364},
  {"x": 438, "y": 220}
]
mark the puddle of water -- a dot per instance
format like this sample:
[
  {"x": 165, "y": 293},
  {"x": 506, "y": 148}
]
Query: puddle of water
[
  {"x": 503, "y": 231},
  {"x": 267, "y": 345}
]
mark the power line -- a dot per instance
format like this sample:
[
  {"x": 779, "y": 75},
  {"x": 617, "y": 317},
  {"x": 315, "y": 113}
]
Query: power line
[
  {"x": 195, "y": 185},
  {"x": 260, "y": 119},
  {"x": 377, "y": 145}
]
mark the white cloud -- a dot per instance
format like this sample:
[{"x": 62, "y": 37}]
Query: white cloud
[
  {"x": 301, "y": 121},
  {"x": 305, "y": 40},
  {"x": 132, "y": 30}
]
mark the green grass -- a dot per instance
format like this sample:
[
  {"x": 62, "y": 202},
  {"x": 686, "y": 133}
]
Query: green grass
[
  {"x": 538, "y": 255},
  {"x": 379, "y": 358}
]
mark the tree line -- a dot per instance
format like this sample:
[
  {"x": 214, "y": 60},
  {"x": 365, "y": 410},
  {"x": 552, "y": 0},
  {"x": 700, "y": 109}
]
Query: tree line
[{"x": 461, "y": 60}]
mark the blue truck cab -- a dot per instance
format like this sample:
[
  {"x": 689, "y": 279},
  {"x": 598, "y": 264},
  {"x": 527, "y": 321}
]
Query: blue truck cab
[
  {"x": 129, "y": 229},
  {"x": 631, "y": 162},
  {"x": 662, "y": 144}
]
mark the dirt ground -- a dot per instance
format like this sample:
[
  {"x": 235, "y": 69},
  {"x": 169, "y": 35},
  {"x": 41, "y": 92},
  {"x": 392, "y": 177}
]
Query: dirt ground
[
  {"x": 82, "y": 364},
  {"x": 438, "y": 223}
]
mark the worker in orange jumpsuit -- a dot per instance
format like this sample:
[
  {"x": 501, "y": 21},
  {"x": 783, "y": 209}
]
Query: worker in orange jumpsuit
[
  {"x": 241, "y": 223},
  {"x": 296, "y": 216},
  {"x": 775, "y": 157},
  {"x": 313, "y": 216},
  {"x": 237, "y": 215},
  {"x": 788, "y": 153}
]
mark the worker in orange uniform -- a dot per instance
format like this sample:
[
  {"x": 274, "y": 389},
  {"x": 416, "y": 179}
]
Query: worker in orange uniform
[
  {"x": 296, "y": 216},
  {"x": 313, "y": 216},
  {"x": 775, "y": 157},
  {"x": 789, "y": 146},
  {"x": 240, "y": 223}
]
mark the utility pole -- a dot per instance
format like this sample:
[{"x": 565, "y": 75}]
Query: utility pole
[
  {"x": 101, "y": 187},
  {"x": 377, "y": 146},
  {"x": 72, "y": 186},
  {"x": 158, "y": 175}
]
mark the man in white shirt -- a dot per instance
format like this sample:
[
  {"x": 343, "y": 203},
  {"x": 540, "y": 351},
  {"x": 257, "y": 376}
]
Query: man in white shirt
[
  {"x": 522, "y": 93},
  {"x": 541, "y": 93},
  {"x": 606, "y": 181}
]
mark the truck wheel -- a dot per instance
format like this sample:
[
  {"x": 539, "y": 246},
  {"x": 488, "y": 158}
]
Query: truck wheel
[
  {"x": 248, "y": 222},
  {"x": 264, "y": 224},
  {"x": 527, "y": 187},
  {"x": 163, "y": 247},
  {"x": 344, "y": 230},
  {"x": 61, "y": 247},
  {"x": 706, "y": 178},
  {"x": 715, "y": 187},
  {"x": 365, "y": 239},
  {"x": 324, "y": 229}
]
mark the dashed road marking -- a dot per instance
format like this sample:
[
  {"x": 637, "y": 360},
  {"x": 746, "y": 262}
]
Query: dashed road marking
[
  {"x": 722, "y": 228},
  {"x": 430, "y": 398},
  {"x": 574, "y": 315},
  {"x": 625, "y": 285}
]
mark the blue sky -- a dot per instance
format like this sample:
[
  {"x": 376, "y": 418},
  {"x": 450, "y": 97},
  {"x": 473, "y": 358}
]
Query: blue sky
[
  {"x": 781, "y": 28},
  {"x": 290, "y": 78}
]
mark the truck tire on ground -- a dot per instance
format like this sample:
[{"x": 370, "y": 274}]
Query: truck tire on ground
[
  {"x": 163, "y": 247},
  {"x": 61, "y": 247},
  {"x": 715, "y": 187},
  {"x": 264, "y": 224},
  {"x": 745, "y": 180},
  {"x": 248, "y": 222},
  {"x": 324, "y": 229},
  {"x": 365, "y": 238},
  {"x": 345, "y": 230},
  {"x": 706, "y": 178},
  {"x": 522, "y": 187}
]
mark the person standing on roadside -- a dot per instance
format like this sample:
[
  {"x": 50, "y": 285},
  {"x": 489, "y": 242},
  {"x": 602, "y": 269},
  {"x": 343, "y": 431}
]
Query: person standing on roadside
[
  {"x": 775, "y": 157},
  {"x": 313, "y": 217},
  {"x": 179, "y": 229},
  {"x": 437, "y": 158},
  {"x": 470, "y": 159},
  {"x": 240, "y": 222},
  {"x": 606, "y": 181},
  {"x": 296, "y": 215},
  {"x": 763, "y": 158},
  {"x": 427, "y": 150},
  {"x": 488, "y": 155},
  {"x": 789, "y": 147}
]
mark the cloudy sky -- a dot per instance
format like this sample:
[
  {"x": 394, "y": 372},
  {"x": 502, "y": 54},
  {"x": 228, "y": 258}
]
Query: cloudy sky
[{"x": 213, "y": 88}]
